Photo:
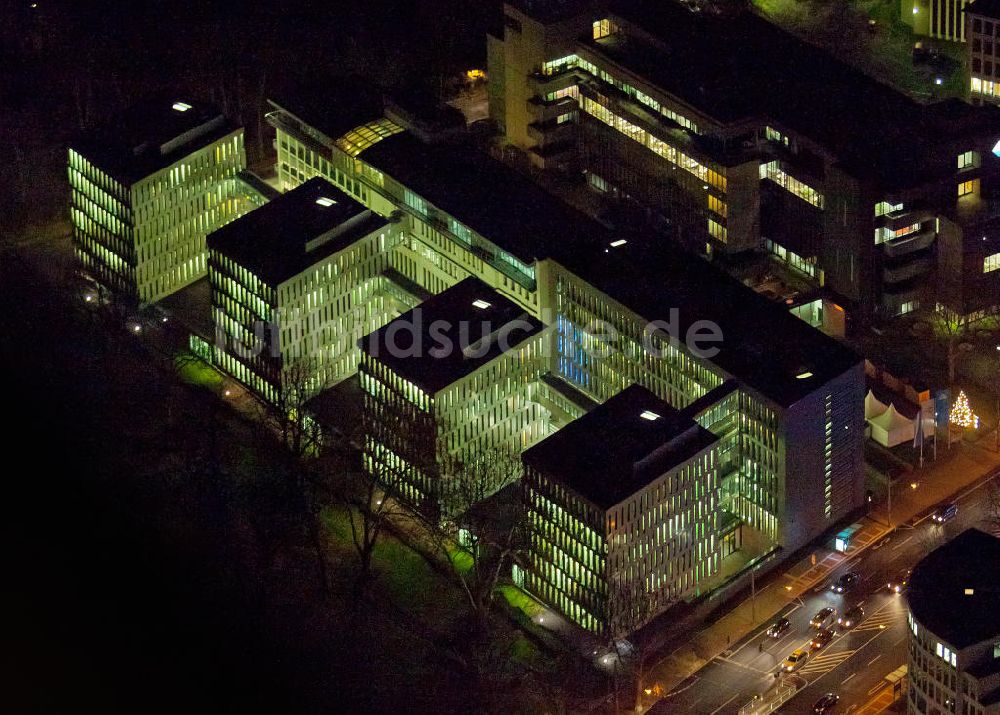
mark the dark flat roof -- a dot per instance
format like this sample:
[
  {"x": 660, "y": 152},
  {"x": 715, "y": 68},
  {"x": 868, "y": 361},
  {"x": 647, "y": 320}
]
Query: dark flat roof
[
  {"x": 271, "y": 241},
  {"x": 763, "y": 345},
  {"x": 150, "y": 136},
  {"x": 331, "y": 106},
  {"x": 612, "y": 452},
  {"x": 989, "y": 8},
  {"x": 504, "y": 206},
  {"x": 936, "y": 593},
  {"x": 744, "y": 66},
  {"x": 409, "y": 345}
]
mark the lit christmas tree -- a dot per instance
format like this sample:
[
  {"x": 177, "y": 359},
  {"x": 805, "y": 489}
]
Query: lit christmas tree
[{"x": 961, "y": 413}]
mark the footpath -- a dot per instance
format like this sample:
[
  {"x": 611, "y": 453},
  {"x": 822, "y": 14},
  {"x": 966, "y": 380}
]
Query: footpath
[{"x": 962, "y": 465}]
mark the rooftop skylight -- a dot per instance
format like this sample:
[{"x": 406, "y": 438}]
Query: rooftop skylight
[
  {"x": 804, "y": 375},
  {"x": 181, "y": 106},
  {"x": 619, "y": 242},
  {"x": 481, "y": 304},
  {"x": 647, "y": 415},
  {"x": 324, "y": 201}
]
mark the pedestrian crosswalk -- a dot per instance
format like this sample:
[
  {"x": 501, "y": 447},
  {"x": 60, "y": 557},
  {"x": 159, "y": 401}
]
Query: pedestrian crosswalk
[
  {"x": 825, "y": 662},
  {"x": 879, "y": 621}
]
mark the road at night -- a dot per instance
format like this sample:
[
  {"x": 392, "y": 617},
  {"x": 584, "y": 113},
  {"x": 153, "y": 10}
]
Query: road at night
[{"x": 855, "y": 663}]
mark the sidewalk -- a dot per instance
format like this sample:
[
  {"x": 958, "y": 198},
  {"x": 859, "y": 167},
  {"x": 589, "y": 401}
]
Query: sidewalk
[{"x": 936, "y": 481}]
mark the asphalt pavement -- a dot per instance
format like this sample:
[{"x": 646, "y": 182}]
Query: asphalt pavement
[{"x": 854, "y": 664}]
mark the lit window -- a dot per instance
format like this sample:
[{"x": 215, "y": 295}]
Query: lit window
[
  {"x": 804, "y": 375},
  {"x": 619, "y": 242},
  {"x": 996, "y": 147},
  {"x": 965, "y": 188},
  {"x": 969, "y": 592},
  {"x": 181, "y": 106},
  {"x": 647, "y": 415},
  {"x": 324, "y": 201},
  {"x": 481, "y": 304},
  {"x": 991, "y": 263},
  {"x": 966, "y": 159}
]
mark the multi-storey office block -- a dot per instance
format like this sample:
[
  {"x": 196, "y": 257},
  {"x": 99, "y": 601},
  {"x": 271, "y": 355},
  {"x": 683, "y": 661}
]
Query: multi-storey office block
[
  {"x": 846, "y": 181},
  {"x": 446, "y": 383},
  {"x": 954, "y": 620},
  {"x": 295, "y": 284},
  {"x": 147, "y": 189},
  {"x": 624, "y": 511},
  {"x": 785, "y": 400},
  {"x": 941, "y": 19},
  {"x": 982, "y": 27}
]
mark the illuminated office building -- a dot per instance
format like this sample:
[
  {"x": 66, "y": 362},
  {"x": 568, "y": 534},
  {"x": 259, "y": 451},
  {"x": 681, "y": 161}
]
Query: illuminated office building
[
  {"x": 625, "y": 512},
  {"x": 451, "y": 380},
  {"x": 954, "y": 622},
  {"x": 941, "y": 19},
  {"x": 982, "y": 26},
  {"x": 847, "y": 182},
  {"x": 146, "y": 190},
  {"x": 295, "y": 284},
  {"x": 784, "y": 400}
]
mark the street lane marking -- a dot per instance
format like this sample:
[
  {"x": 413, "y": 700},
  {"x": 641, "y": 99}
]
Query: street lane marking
[
  {"x": 902, "y": 543},
  {"x": 874, "y": 659},
  {"x": 722, "y": 659},
  {"x": 848, "y": 678}
]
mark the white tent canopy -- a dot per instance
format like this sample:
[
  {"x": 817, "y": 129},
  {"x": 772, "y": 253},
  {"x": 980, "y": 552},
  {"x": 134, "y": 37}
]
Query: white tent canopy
[
  {"x": 873, "y": 407},
  {"x": 890, "y": 428}
]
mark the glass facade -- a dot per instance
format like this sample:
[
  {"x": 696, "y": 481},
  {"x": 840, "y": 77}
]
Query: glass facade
[{"x": 147, "y": 239}]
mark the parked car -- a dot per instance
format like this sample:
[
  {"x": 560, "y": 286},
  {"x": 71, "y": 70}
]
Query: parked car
[
  {"x": 778, "y": 628},
  {"x": 821, "y": 638},
  {"x": 899, "y": 582},
  {"x": 851, "y": 618},
  {"x": 826, "y": 704},
  {"x": 846, "y": 582},
  {"x": 824, "y": 618},
  {"x": 945, "y": 512},
  {"x": 795, "y": 660}
]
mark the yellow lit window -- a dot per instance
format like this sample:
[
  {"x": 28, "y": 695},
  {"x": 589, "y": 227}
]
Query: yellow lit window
[
  {"x": 966, "y": 188},
  {"x": 717, "y": 205},
  {"x": 603, "y": 28},
  {"x": 991, "y": 263}
]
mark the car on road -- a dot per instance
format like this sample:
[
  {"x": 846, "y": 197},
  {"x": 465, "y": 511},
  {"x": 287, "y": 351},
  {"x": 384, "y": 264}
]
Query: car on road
[
  {"x": 795, "y": 660},
  {"x": 846, "y": 582},
  {"x": 821, "y": 638},
  {"x": 779, "y": 628},
  {"x": 945, "y": 512},
  {"x": 824, "y": 617},
  {"x": 899, "y": 582},
  {"x": 826, "y": 704},
  {"x": 851, "y": 617}
]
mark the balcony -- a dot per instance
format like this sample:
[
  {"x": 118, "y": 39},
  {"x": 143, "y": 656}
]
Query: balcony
[
  {"x": 565, "y": 76},
  {"x": 896, "y": 220},
  {"x": 908, "y": 270},
  {"x": 909, "y": 244},
  {"x": 543, "y": 111},
  {"x": 550, "y": 132}
]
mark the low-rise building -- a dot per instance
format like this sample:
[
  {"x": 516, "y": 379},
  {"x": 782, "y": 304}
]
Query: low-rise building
[
  {"x": 954, "y": 621},
  {"x": 147, "y": 188},
  {"x": 624, "y": 509}
]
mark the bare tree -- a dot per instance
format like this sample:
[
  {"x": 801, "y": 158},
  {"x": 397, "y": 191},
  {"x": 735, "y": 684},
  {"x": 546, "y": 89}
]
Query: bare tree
[
  {"x": 627, "y": 607},
  {"x": 991, "y": 516},
  {"x": 487, "y": 537}
]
